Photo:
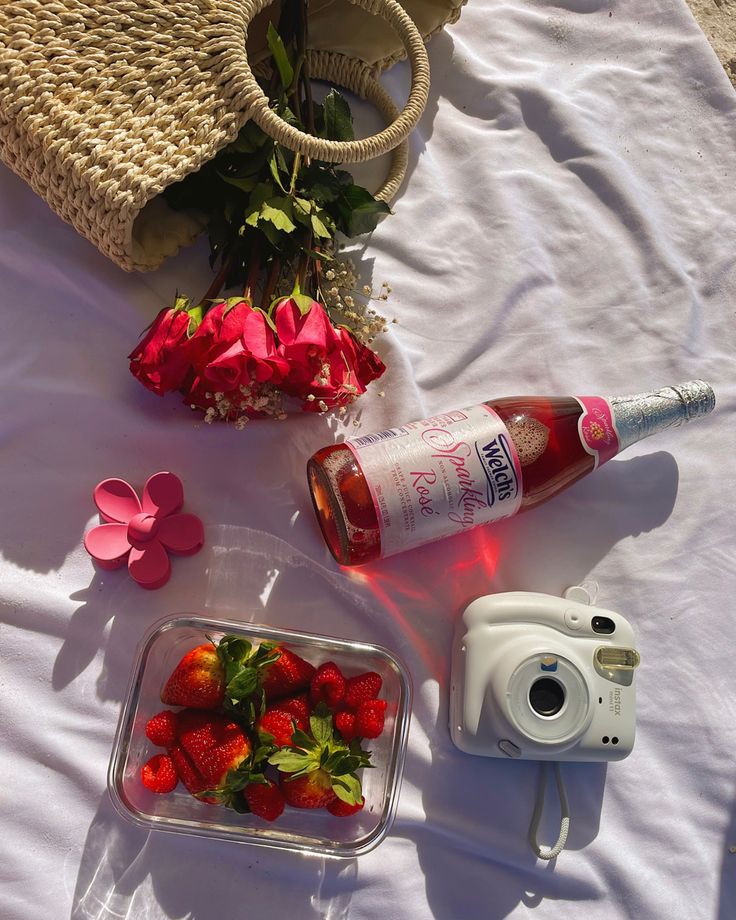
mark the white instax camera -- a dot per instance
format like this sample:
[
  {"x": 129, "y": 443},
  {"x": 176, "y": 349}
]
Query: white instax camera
[{"x": 543, "y": 678}]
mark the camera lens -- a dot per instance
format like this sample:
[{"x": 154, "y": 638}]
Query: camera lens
[
  {"x": 603, "y": 625},
  {"x": 546, "y": 696}
]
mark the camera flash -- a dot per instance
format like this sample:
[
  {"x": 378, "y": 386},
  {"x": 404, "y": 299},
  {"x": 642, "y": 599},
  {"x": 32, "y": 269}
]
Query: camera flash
[{"x": 617, "y": 659}]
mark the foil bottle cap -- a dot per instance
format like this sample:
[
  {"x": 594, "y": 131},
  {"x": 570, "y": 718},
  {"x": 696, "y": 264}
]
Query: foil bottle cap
[{"x": 644, "y": 414}]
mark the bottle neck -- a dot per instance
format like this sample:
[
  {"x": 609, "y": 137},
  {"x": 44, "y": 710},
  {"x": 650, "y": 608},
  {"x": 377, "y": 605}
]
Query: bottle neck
[{"x": 639, "y": 416}]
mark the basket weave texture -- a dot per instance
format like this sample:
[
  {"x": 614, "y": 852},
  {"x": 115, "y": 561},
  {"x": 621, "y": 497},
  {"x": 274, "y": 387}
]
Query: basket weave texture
[{"x": 103, "y": 105}]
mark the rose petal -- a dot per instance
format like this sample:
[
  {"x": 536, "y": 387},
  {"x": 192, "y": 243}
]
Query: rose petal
[
  {"x": 108, "y": 545},
  {"x": 163, "y": 494},
  {"x": 116, "y": 501},
  {"x": 150, "y": 567},
  {"x": 181, "y": 533}
]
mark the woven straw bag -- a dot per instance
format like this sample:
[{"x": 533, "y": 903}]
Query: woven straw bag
[{"x": 105, "y": 104}]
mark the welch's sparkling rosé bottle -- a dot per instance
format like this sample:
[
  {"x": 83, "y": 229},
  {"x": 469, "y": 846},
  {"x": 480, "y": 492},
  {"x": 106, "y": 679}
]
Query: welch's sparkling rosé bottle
[{"x": 382, "y": 493}]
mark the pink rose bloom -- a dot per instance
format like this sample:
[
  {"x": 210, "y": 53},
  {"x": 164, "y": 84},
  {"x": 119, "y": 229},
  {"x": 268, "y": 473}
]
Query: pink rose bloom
[
  {"x": 252, "y": 357},
  {"x": 325, "y": 362},
  {"x": 160, "y": 361},
  {"x": 233, "y": 347}
]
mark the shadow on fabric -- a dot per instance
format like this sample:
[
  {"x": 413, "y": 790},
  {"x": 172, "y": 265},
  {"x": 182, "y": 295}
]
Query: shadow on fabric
[
  {"x": 476, "y": 811},
  {"x": 727, "y": 897},
  {"x": 128, "y": 874}
]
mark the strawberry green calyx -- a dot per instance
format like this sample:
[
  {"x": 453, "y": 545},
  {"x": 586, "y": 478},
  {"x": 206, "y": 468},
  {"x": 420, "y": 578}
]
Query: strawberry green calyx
[
  {"x": 323, "y": 751},
  {"x": 243, "y": 666},
  {"x": 230, "y": 792}
]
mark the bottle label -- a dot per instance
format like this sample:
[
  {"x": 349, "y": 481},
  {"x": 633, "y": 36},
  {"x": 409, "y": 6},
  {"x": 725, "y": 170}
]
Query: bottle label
[
  {"x": 439, "y": 476},
  {"x": 597, "y": 429}
]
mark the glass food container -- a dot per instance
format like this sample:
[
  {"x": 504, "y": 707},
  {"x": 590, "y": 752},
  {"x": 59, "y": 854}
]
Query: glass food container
[{"x": 313, "y": 831}]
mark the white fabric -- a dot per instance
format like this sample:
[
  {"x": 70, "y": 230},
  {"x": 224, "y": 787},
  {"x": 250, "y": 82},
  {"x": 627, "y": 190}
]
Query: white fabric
[{"x": 568, "y": 227}]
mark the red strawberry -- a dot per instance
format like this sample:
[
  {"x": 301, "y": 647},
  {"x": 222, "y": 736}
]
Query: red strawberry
[
  {"x": 275, "y": 721},
  {"x": 345, "y": 724},
  {"x": 161, "y": 729},
  {"x": 265, "y": 800},
  {"x": 310, "y": 790},
  {"x": 213, "y": 743},
  {"x": 342, "y": 810},
  {"x": 363, "y": 687},
  {"x": 287, "y": 675},
  {"x": 299, "y": 707},
  {"x": 369, "y": 718},
  {"x": 159, "y": 774},
  {"x": 198, "y": 681},
  {"x": 188, "y": 773},
  {"x": 327, "y": 685}
]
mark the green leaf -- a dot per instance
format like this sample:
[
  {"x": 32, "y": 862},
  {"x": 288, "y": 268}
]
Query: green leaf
[
  {"x": 303, "y": 302},
  {"x": 268, "y": 319},
  {"x": 338, "y": 120},
  {"x": 246, "y": 184},
  {"x": 325, "y": 182},
  {"x": 349, "y": 765},
  {"x": 276, "y": 46},
  {"x": 195, "y": 318},
  {"x": 319, "y": 228},
  {"x": 243, "y": 684},
  {"x": 249, "y": 139},
  {"x": 321, "y": 726},
  {"x": 290, "y": 761},
  {"x": 302, "y": 740},
  {"x": 262, "y": 753},
  {"x": 274, "y": 167},
  {"x": 360, "y": 210},
  {"x": 335, "y": 761},
  {"x": 278, "y": 214},
  {"x": 348, "y": 789},
  {"x": 276, "y": 211}
]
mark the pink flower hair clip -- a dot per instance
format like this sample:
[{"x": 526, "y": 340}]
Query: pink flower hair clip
[{"x": 143, "y": 533}]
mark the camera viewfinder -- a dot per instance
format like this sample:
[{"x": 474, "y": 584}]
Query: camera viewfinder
[{"x": 603, "y": 625}]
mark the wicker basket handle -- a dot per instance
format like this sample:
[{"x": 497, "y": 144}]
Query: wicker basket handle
[{"x": 346, "y": 151}]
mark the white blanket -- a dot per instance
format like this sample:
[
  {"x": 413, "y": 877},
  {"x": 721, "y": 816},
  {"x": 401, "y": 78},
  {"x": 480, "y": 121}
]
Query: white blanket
[{"x": 567, "y": 227}]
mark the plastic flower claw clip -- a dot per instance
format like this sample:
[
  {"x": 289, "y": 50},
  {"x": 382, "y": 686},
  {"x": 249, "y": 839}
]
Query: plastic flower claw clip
[{"x": 143, "y": 532}]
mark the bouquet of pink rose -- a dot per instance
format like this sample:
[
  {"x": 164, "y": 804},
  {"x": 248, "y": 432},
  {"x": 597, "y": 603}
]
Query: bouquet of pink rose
[
  {"x": 300, "y": 331},
  {"x": 237, "y": 362}
]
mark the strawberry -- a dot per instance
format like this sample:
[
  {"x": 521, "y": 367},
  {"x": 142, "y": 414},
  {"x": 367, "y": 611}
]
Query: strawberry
[
  {"x": 213, "y": 743},
  {"x": 287, "y": 675},
  {"x": 363, "y": 687},
  {"x": 369, "y": 718},
  {"x": 299, "y": 707},
  {"x": 321, "y": 767},
  {"x": 198, "y": 681},
  {"x": 187, "y": 772},
  {"x": 345, "y": 724},
  {"x": 265, "y": 800},
  {"x": 327, "y": 685},
  {"x": 159, "y": 774},
  {"x": 280, "y": 725},
  {"x": 341, "y": 809},
  {"x": 309, "y": 790},
  {"x": 161, "y": 729}
]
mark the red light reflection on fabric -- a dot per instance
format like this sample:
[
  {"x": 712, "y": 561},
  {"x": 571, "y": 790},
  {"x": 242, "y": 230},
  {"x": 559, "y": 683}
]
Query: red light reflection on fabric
[{"x": 426, "y": 599}]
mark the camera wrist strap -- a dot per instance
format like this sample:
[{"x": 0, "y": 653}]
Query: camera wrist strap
[{"x": 543, "y": 852}]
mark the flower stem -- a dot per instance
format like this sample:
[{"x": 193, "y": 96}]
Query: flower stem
[
  {"x": 220, "y": 278},
  {"x": 253, "y": 272},
  {"x": 273, "y": 274},
  {"x": 301, "y": 272}
]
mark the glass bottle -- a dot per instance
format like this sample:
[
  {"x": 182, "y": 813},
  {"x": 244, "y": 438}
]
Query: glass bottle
[{"x": 383, "y": 493}]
